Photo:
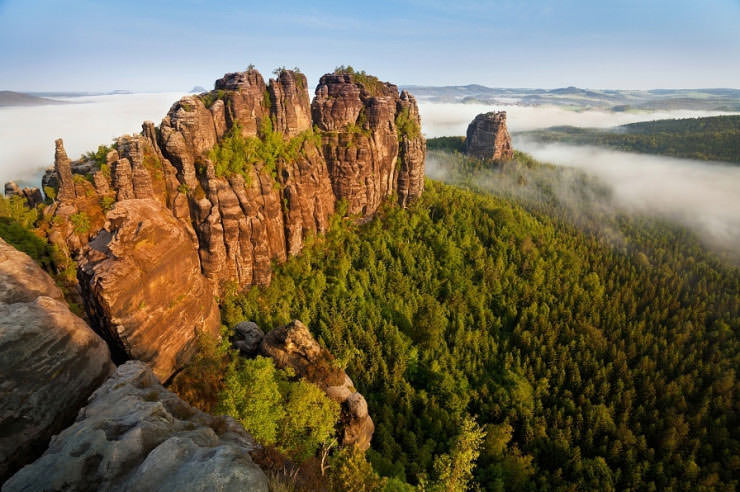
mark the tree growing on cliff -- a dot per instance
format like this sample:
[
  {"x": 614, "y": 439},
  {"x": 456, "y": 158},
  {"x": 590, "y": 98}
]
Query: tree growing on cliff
[{"x": 295, "y": 416}]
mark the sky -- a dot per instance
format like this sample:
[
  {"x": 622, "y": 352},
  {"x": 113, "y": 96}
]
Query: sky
[{"x": 50, "y": 45}]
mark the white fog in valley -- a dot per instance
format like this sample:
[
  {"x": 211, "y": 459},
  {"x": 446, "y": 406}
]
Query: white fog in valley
[
  {"x": 443, "y": 119},
  {"x": 27, "y": 139},
  {"x": 697, "y": 194}
]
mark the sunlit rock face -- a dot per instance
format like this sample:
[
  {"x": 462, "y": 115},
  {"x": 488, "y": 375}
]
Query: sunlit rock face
[{"x": 488, "y": 138}]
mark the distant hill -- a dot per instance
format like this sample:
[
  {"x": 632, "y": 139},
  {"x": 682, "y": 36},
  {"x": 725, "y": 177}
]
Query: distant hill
[
  {"x": 711, "y": 139},
  {"x": 577, "y": 98},
  {"x": 198, "y": 89},
  {"x": 10, "y": 98}
]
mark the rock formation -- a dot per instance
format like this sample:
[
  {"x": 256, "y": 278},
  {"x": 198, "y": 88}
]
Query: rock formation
[
  {"x": 143, "y": 287},
  {"x": 51, "y": 360},
  {"x": 134, "y": 435},
  {"x": 293, "y": 346},
  {"x": 31, "y": 195},
  {"x": 488, "y": 138},
  {"x": 359, "y": 141}
]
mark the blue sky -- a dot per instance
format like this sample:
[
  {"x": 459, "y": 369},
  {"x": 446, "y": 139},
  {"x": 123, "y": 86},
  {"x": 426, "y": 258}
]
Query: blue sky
[{"x": 174, "y": 45}]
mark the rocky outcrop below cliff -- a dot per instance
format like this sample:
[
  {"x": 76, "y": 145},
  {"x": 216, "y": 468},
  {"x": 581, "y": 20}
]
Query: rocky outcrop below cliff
[
  {"x": 488, "y": 138},
  {"x": 134, "y": 435},
  {"x": 143, "y": 286},
  {"x": 292, "y": 346},
  {"x": 243, "y": 175},
  {"x": 51, "y": 360}
]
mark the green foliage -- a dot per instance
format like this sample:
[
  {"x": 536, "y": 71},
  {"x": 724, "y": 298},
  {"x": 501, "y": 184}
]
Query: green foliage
[
  {"x": 105, "y": 170},
  {"x": 106, "y": 202},
  {"x": 211, "y": 97},
  {"x": 236, "y": 154},
  {"x": 16, "y": 209},
  {"x": 251, "y": 395},
  {"x": 455, "y": 470},
  {"x": 17, "y": 222},
  {"x": 371, "y": 83},
  {"x": 200, "y": 383},
  {"x": 295, "y": 416},
  {"x": 80, "y": 222},
  {"x": 350, "y": 471},
  {"x": 310, "y": 419},
  {"x": 50, "y": 193},
  {"x": 406, "y": 126},
  {"x": 588, "y": 366},
  {"x": 99, "y": 156},
  {"x": 266, "y": 99},
  {"x": 450, "y": 144},
  {"x": 715, "y": 138}
]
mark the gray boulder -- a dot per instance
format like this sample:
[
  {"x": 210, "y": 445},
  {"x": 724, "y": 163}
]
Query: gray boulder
[
  {"x": 134, "y": 435},
  {"x": 51, "y": 361}
]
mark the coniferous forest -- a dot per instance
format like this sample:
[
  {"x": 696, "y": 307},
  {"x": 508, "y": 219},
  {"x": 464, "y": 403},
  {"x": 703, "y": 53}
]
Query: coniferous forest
[{"x": 584, "y": 362}]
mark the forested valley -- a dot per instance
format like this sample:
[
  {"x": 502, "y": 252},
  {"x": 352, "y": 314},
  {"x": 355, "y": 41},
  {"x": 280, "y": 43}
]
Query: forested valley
[{"x": 714, "y": 138}]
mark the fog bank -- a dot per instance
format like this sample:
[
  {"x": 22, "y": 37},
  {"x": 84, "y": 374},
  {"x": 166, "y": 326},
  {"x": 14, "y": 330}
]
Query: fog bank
[
  {"x": 704, "y": 197},
  {"x": 28, "y": 133},
  {"x": 446, "y": 119}
]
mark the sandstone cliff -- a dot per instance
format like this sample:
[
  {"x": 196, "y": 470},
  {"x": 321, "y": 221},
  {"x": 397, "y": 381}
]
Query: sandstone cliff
[
  {"x": 488, "y": 138},
  {"x": 51, "y": 360},
  {"x": 249, "y": 171},
  {"x": 141, "y": 280},
  {"x": 134, "y": 435}
]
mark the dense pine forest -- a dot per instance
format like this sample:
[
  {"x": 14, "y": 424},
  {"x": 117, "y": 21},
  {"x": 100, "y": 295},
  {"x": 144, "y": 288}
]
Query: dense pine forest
[
  {"x": 710, "y": 139},
  {"x": 589, "y": 364}
]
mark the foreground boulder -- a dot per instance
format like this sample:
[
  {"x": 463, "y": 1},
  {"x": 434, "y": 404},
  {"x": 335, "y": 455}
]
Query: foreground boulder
[
  {"x": 293, "y": 346},
  {"x": 134, "y": 435},
  {"x": 51, "y": 360},
  {"x": 488, "y": 138},
  {"x": 143, "y": 287}
]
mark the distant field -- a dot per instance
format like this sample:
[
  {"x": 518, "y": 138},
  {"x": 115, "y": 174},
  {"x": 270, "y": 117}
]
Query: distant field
[{"x": 710, "y": 139}]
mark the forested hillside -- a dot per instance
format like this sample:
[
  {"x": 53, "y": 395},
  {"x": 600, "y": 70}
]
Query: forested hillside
[
  {"x": 535, "y": 338},
  {"x": 711, "y": 139},
  {"x": 589, "y": 365}
]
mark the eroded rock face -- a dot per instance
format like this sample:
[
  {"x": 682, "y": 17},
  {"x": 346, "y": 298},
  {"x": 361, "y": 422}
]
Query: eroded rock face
[
  {"x": 293, "y": 346},
  {"x": 290, "y": 108},
  {"x": 51, "y": 360},
  {"x": 134, "y": 435},
  {"x": 144, "y": 292},
  {"x": 488, "y": 138},
  {"x": 361, "y": 141}
]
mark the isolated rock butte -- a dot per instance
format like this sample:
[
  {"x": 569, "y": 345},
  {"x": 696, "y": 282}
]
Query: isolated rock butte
[
  {"x": 143, "y": 287},
  {"x": 293, "y": 346},
  {"x": 488, "y": 138},
  {"x": 134, "y": 435},
  {"x": 51, "y": 360}
]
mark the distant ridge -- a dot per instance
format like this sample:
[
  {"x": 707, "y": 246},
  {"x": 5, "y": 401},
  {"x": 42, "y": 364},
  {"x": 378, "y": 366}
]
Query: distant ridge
[
  {"x": 710, "y": 99},
  {"x": 10, "y": 98}
]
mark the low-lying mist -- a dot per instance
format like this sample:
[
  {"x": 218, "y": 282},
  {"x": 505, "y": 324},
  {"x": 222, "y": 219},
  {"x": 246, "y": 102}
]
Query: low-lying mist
[
  {"x": 28, "y": 133},
  {"x": 446, "y": 119},
  {"x": 705, "y": 197}
]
